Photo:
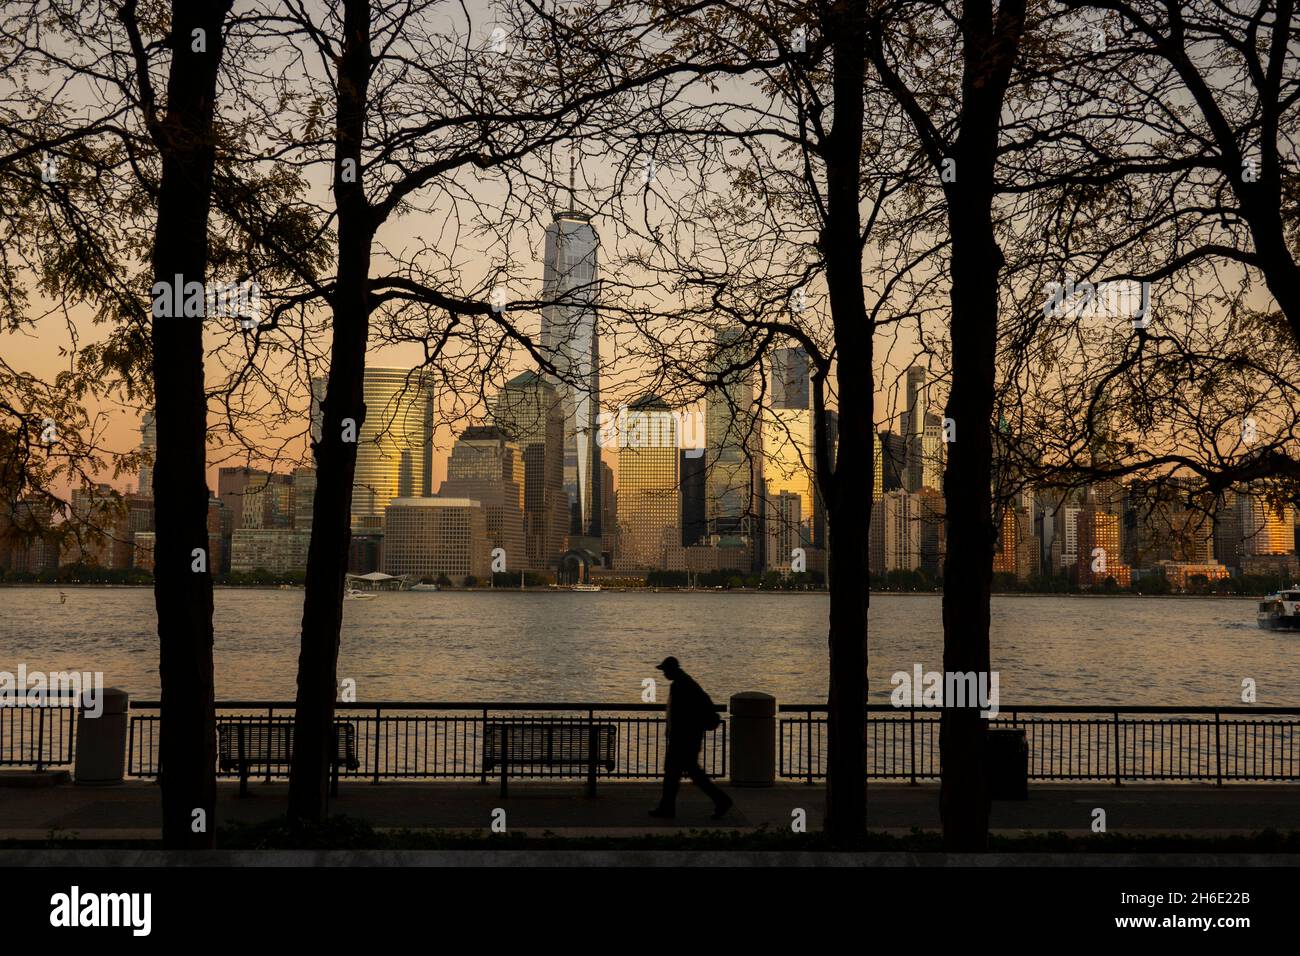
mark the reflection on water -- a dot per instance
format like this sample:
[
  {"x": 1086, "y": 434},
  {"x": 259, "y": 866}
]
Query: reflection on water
[{"x": 568, "y": 646}]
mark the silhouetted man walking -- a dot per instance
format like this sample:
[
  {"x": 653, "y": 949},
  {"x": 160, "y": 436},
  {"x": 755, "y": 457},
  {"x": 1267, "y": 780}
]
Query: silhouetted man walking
[{"x": 691, "y": 714}]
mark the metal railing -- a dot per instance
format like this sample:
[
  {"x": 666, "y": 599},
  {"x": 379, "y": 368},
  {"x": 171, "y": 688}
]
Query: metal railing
[
  {"x": 38, "y": 736},
  {"x": 1114, "y": 744},
  {"x": 444, "y": 740},
  {"x": 398, "y": 740}
]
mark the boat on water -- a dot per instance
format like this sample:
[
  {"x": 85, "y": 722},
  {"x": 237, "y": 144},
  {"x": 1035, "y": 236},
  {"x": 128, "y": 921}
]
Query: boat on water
[
  {"x": 424, "y": 587},
  {"x": 1280, "y": 611},
  {"x": 586, "y": 587},
  {"x": 352, "y": 594}
]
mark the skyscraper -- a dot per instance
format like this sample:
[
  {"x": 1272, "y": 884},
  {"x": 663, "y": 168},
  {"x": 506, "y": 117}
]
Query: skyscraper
[
  {"x": 529, "y": 413},
  {"x": 893, "y": 461},
  {"x": 304, "y": 497},
  {"x": 733, "y": 451},
  {"x": 394, "y": 444},
  {"x": 789, "y": 461},
  {"x": 149, "y": 448},
  {"x": 821, "y": 538},
  {"x": 1099, "y": 552},
  {"x": 649, "y": 501},
  {"x": 923, "y": 435},
  {"x": 571, "y": 342},
  {"x": 695, "y": 522},
  {"x": 484, "y": 467},
  {"x": 1267, "y": 527}
]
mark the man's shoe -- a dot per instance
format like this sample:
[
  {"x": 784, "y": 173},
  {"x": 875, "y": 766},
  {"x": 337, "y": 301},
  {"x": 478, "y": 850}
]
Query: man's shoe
[
  {"x": 662, "y": 813},
  {"x": 720, "y": 809}
]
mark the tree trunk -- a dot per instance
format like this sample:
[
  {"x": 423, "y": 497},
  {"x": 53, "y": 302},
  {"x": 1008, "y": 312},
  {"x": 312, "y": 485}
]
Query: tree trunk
[
  {"x": 182, "y": 594},
  {"x": 991, "y": 43},
  {"x": 336, "y": 459},
  {"x": 971, "y": 535},
  {"x": 849, "y": 496}
]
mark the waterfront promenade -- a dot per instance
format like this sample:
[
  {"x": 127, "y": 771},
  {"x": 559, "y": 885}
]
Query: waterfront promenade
[{"x": 132, "y": 810}]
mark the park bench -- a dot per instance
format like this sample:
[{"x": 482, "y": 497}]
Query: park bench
[
  {"x": 246, "y": 745},
  {"x": 549, "y": 744}
]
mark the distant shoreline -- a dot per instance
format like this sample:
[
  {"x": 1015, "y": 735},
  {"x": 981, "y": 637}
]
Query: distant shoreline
[{"x": 657, "y": 590}]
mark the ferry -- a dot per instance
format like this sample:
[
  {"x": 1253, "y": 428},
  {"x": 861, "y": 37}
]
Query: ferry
[
  {"x": 586, "y": 587},
  {"x": 1280, "y": 611}
]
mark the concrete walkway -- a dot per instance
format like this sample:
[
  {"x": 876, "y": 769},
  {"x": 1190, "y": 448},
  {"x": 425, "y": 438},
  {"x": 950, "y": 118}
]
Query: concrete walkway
[{"x": 132, "y": 810}]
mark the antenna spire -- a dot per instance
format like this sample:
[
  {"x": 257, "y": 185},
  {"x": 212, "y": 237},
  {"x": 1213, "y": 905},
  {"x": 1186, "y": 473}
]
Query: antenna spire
[{"x": 573, "y": 202}]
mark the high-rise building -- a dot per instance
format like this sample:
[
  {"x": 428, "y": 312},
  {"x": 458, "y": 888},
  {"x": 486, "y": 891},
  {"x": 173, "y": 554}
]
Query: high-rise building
[
  {"x": 733, "y": 450},
  {"x": 914, "y": 427},
  {"x": 609, "y": 537},
  {"x": 695, "y": 522},
  {"x": 877, "y": 466},
  {"x": 394, "y": 443},
  {"x": 148, "y": 451},
  {"x": 1029, "y": 554},
  {"x": 428, "y": 537},
  {"x": 1160, "y": 526},
  {"x": 304, "y": 497},
  {"x": 1227, "y": 529},
  {"x": 900, "y": 541},
  {"x": 232, "y": 489},
  {"x": 1004, "y": 558},
  {"x": 28, "y": 543},
  {"x": 820, "y": 538},
  {"x": 893, "y": 460},
  {"x": 789, "y": 459},
  {"x": 1018, "y": 549},
  {"x": 571, "y": 342},
  {"x": 1267, "y": 527},
  {"x": 95, "y": 513},
  {"x": 278, "y": 550},
  {"x": 485, "y": 467},
  {"x": 268, "y": 501},
  {"x": 649, "y": 495},
  {"x": 784, "y": 526},
  {"x": 923, "y": 436},
  {"x": 1099, "y": 553},
  {"x": 529, "y": 413},
  {"x": 790, "y": 379}
]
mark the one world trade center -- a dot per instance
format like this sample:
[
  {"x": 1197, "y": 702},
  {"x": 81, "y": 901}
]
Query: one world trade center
[{"x": 569, "y": 339}]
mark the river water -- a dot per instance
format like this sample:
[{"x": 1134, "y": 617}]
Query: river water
[{"x": 567, "y": 646}]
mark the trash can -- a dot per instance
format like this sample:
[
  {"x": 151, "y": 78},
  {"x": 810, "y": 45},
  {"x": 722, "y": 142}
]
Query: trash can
[
  {"x": 101, "y": 741},
  {"x": 752, "y": 724},
  {"x": 1008, "y": 764}
]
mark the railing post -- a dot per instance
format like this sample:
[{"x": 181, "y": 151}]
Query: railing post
[
  {"x": 1218, "y": 753},
  {"x": 483, "y": 750},
  {"x": 379, "y": 723},
  {"x": 505, "y": 757},
  {"x": 808, "y": 752},
  {"x": 1118, "y": 765},
  {"x": 911, "y": 732},
  {"x": 40, "y": 738},
  {"x": 591, "y": 753},
  {"x": 270, "y": 722}
]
